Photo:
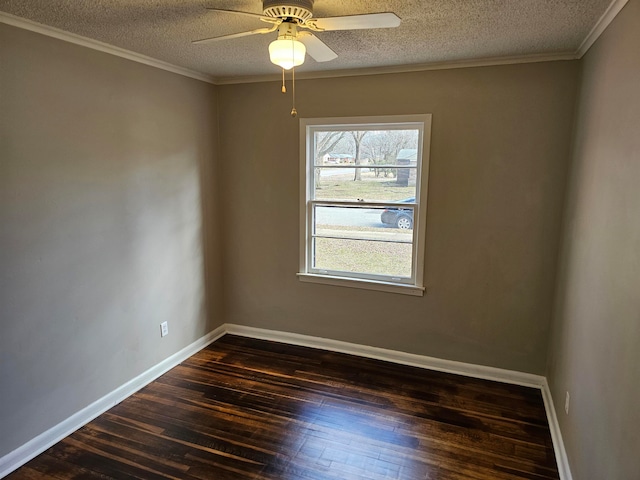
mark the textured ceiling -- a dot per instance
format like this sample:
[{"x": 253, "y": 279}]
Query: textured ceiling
[{"x": 432, "y": 31}]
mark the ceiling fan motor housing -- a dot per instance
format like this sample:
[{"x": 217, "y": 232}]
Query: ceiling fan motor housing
[{"x": 299, "y": 9}]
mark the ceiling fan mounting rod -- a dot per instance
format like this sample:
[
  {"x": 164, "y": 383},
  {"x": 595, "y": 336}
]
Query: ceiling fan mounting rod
[{"x": 301, "y": 10}]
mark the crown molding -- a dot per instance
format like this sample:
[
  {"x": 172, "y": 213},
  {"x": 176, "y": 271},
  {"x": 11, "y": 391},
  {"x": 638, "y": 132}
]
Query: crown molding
[
  {"x": 32, "y": 26},
  {"x": 423, "y": 67},
  {"x": 601, "y": 25},
  {"x": 607, "y": 17}
]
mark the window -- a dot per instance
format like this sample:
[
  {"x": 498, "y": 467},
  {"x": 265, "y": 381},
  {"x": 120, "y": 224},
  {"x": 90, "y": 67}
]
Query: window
[{"x": 363, "y": 193}]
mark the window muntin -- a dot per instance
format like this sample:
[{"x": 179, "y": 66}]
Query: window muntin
[{"x": 362, "y": 212}]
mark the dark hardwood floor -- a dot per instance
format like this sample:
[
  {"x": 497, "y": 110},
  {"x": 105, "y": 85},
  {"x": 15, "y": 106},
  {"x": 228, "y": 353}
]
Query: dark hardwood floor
[{"x": 252, "y": 409}]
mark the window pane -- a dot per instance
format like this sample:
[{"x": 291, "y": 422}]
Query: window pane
[
  {"x": 380, "y": 147},
  {"x": 367, "y": 183},
  {"x": 361, "y": 164},
  {"x": 363, "y": 256},
  {"x": 375, "y": 241}
]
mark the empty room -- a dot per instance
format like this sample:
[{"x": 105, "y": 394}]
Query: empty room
[{"x": 313, "y": 239}]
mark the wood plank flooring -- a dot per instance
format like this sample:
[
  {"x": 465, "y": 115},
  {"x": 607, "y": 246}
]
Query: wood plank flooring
[{"x": 251, "y": 409}]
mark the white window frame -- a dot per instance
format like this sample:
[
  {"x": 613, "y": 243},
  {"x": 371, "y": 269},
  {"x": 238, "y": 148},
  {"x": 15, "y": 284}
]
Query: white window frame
[{"x": 412, "y": 286}]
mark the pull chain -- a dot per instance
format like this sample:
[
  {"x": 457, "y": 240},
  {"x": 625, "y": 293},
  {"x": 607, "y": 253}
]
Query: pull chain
[
  {"x": 294, "y": 112},
  {"x": 284, "y": 87}
]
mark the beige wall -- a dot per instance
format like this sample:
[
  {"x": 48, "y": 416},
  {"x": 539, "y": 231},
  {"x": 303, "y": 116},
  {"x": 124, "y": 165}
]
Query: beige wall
[
  {"x": 110, "y": 186},
  {"x": 106, "y": 173},
  {"x": 500, "y": 149},
  {"x": 596, "y": 351}
]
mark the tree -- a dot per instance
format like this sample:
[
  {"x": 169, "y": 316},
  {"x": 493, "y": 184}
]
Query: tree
[
  {"x": 357, "y": 139},
  {"x": 382, "y": 147},
  {"x": 325, "y": 142}
]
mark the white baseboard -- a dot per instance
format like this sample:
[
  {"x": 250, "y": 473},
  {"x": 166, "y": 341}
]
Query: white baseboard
[
  {"x": 556, "y": 435},
  {"x": 42, "y": 442},
  {"x": 431, "y": 363}
]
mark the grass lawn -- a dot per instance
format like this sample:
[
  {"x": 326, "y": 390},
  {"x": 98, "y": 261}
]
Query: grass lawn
[
  {"x": 369, "y": 188},
  {"x": 364, "y": 256}
]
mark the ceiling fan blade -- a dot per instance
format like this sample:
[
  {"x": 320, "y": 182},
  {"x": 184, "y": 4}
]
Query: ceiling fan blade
[
  {"x": 235, "y": 35},
  {"x": 316, "y": 48},
  {"x": 357, "y": 22},
  {"x": 247, "y": 14}
]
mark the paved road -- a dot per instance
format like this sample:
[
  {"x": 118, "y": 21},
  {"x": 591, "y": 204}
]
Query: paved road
[
  {"x": 332, "y": 172},
  {"x": 351, "y": 217}
]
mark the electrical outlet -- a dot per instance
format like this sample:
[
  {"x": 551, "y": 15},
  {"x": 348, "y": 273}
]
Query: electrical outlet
[
  {"x": 164, "y": 329},
  {"x": 566, "y": 404}
]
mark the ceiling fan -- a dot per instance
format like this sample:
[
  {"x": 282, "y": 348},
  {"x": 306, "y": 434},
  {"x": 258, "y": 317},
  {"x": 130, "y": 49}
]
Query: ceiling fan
[{"x": 294, "y": 21}]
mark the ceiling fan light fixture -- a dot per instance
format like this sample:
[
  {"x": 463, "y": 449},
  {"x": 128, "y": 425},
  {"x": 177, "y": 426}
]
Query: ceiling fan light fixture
[{"x": 287, "y": 53}]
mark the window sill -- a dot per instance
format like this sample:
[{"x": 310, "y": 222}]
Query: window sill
[{"x": 390, "y": 287}]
